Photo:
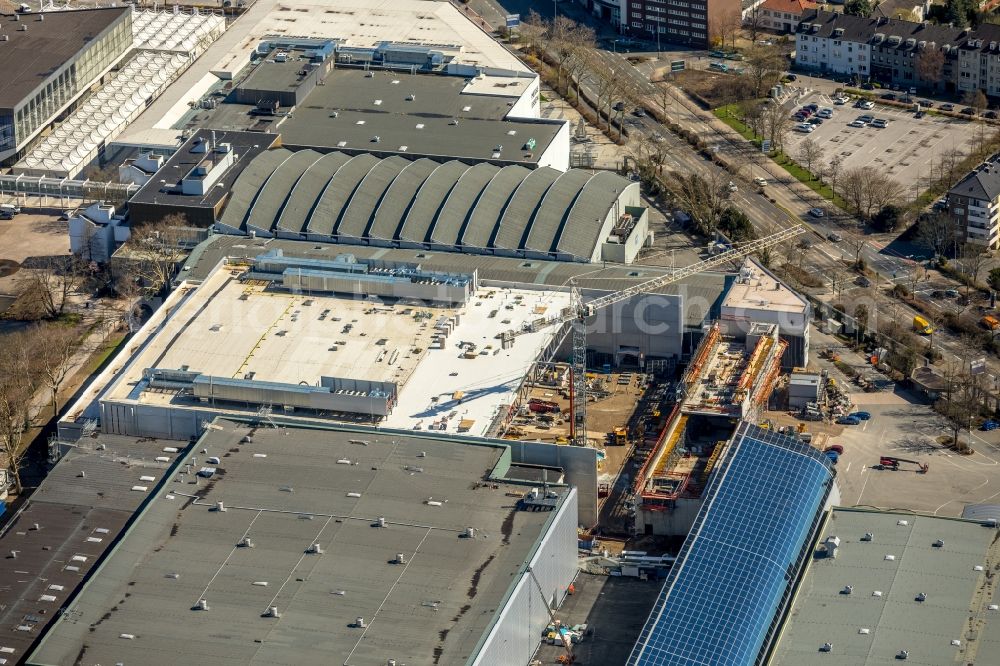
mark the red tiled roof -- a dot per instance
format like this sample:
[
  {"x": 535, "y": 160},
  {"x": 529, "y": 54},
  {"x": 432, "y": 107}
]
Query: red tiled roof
[{"x": 791, "y": 6}]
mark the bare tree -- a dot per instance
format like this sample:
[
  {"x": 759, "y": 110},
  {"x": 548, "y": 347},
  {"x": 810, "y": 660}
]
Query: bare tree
[
  {"x": 149, "y": 259},
  {"x": 752, "y": 114},
  {"x": 562, "y": 31},
  {"x": 580, "y": 47},
  {"x": 56, "y": 346},
  {"x": 724, "y": 26},
  {"x": 753, "y": 22},
  {"x": 857, "y": 243},
  {"x": 974, "y": 258},
  {"x": 44, "y": 290},
  {"x": 832, "y": 172},
  {"x": 704, "y": 197},
  {"x": 930, "y": 66},
  {"x": 776, "y": 123},
  {"x": 533, "y": 30},
  {"x": 938, "y": 231},
  {"x": 17, "y": 380},
  {"x": 809, "y": 154},
  {"x": 867, "y": 190},
  {"x": 763, "y": 66}
]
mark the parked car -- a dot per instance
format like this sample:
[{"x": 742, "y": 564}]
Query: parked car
[
  {"x": 968, "y": 111},
  {"x": 862, "y": 281},
  {"x": 848, "y": 420},
  {"x": 812, "y": 107},
  {"x": 951, "y": 293},
  {"x": 760, "y": 182},
  {"x": 834, "y": 237},
  {"x": 947, "y": 107},
  {"x": 888, "y": 96},
  {"x": 816, "y": 212},
  {"x": 992, "y": 115},
  {"x": 791, "y": 77},
  {"x": 866, "y": 118},
  {"x": 868, "y": 86},
  {"x": 919, "y": 114},
  {"x": 805, "y": 128},
  {"x": 826, "y": 112},
  {"x": 861, "y": 416},
  {"x": 837, "y": 448},
  {"x": 815, "y": 120},
  {"x": 840, "y": 101},
  {"x": 880, "y": 123},
  {"x": 867, "y": 105},
  {"x": 926, "y": 103},
  {"x": 989, "y": 424},
  {"x": 733, "y": 187},
  {"x": 856, "y": 123},
  {"x": 639, "y": 112}
]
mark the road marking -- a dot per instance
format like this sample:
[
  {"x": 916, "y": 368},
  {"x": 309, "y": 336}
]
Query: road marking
[{"x": 848, "y": 468}]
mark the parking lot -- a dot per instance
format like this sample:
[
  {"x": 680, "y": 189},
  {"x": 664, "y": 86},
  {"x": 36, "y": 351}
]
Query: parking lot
[{"x": 905, "y": 149}]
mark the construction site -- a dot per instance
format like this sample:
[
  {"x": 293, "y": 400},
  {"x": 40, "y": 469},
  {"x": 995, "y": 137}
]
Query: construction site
[{"x": 682, "y": 435}]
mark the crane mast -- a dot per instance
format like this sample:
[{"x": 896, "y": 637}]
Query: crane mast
[{"x": 578, "y": 311}]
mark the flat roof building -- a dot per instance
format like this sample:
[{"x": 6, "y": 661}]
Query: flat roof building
[
  {"x": 367, "y": 341},
  {"x": 360, "y": 26},
  {"x": 884, "y": 586},
  {"x": 289, "y": 545},
  {"x": 48, "y": 60},
  {"x": 60, "y": 533}
]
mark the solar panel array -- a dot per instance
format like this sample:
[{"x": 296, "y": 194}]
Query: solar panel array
[{"x": 723, "y": 598}]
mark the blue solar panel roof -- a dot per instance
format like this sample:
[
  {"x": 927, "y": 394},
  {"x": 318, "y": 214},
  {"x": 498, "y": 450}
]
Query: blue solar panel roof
[{"x": 725, "y": 594}]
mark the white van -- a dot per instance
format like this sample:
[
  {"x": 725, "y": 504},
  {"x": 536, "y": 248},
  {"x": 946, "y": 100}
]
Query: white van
[{"x": 8, "y": 211}]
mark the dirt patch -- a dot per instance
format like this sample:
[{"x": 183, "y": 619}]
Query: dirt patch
[{"x": 8, "y": 267}]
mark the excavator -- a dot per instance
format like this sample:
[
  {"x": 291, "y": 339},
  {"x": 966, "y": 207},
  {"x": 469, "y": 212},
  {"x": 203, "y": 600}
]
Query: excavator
[{"x": 890, "y": 462}]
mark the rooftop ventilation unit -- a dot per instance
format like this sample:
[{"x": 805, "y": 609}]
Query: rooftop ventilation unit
[
  {"x": 938, "y": 543},
  {"x": 245, "y": 542},
  {"x": 400, "y": 559},
  {"x": 902, "y": 655},
  {"x": 315, "y": 549},
  {"x": 380, "y": 522},
  {"x": 826, "y": 647},
  {"x": 202, "y": 604},
  {"x": 220, "y": 507},
  {"x": 878, "y": 38},
  {"x": 847, "y": 589},
  {"x": 272, "y": 611},
  {"x": 920, "y": 597},
  {"x": 359, "y": 622}
]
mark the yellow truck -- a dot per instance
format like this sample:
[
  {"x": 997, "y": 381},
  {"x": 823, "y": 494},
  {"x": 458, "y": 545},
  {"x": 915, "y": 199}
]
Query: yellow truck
[
  {"x": 922, "y": 326},
  {"x": 990, "y": 322}
]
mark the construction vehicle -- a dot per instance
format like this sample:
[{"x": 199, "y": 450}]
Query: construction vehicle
[
  {"x": 578, "y": 312},
  {"x": 620, "y": 436},
  {"x": 890, "y": 462},
  {"x": 922, "y": 326},
  {"x": 990, "y": 322}
]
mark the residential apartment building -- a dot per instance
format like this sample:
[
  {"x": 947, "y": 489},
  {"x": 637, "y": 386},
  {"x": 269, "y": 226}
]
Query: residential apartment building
[
  {"x": 690, "y": 22},
  {"x": 975, "y": 202},
  {"x": 782, "y": 15},
  {"x": 978, "y": 66},
  {"x": 881, "y": 49}
]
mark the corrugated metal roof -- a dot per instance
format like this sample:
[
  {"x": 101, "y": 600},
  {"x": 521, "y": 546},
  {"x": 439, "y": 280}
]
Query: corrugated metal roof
[
  {"x": 461, "y": 202},
  {"x": 592, "y": 205},
  {"x": 338, "y": 193},
  {"x": 430, "y": 200},
  {"x": 247, "y": 186},
  {"x": 399, "y": 197},
  {"x": 554, "y": 210},
  {"x": 361, "y": 207},
  {"x": 489, "y": 209},
  {"x": 522, "y": 207},
  {"x": 278, "y": 187},
  {"x": 307, "y": 191}
]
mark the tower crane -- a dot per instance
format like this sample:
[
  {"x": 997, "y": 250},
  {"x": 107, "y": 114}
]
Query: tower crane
[{"x": 578, "y": 311}]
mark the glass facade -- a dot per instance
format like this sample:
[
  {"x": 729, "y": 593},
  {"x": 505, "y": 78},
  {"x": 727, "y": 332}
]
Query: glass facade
[
  {"x": 724, "y": 597},
  {"x": 67, "y": 82}
]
